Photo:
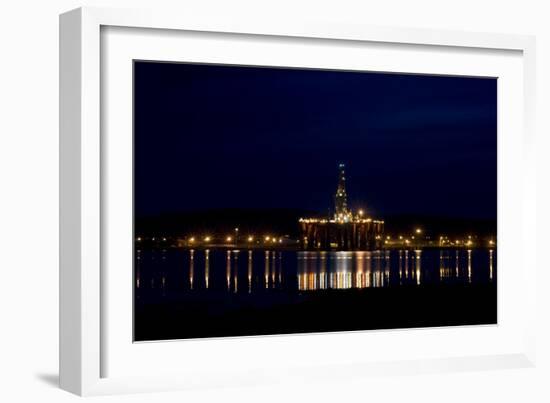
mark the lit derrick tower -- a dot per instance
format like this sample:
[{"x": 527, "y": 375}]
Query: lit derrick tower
[
  {"x": 344, "y": 231},
  {"x": 341, "y": 198}
]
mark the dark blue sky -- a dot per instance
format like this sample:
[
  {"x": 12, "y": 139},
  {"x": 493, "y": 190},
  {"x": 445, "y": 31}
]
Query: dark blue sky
[{"x": 222, "y": 136}]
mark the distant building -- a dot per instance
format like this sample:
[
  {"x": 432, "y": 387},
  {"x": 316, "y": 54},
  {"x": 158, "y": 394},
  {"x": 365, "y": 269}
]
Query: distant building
[{"x": 345, "y": 230}]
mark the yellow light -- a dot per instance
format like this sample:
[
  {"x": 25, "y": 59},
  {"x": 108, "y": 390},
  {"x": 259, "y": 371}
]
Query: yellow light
[
  {"x": 207, "y": 239},
  {"x": 139, "y": 238},
  {"x": 228, "y": 239},
  {"x": 361, "y": 212},
  {"x": 418, "y": 230},
  {"x": 250, "y": 239},
  {"x": 388, "y": 237},
  {"x": 400, "y": 237},
  {"x": 192, "y": 239},
  {"x": 267, "y": 238}
]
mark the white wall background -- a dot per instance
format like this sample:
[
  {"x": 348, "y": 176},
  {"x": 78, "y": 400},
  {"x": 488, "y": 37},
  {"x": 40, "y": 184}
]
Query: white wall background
[{"x": 29, "y": 196}]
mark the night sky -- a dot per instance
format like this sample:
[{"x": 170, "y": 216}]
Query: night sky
[{"x": 240, "y": 137}]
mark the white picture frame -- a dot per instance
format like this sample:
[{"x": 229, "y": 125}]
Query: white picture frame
[{"x": 86, "y": 345}]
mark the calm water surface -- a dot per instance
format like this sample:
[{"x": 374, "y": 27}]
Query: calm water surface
[
  {"x": 258, "y": 271},
  {"x": 216, "y": 293}
]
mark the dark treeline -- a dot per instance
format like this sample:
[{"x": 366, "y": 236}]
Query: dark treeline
[
  {"x": 221, "y": 221},
  {"x": 436, "y": 226}
]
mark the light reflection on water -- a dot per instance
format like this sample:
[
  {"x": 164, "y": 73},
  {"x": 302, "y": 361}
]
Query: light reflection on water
[
  {"x": 253, "y": 271},
  {"x": 343, "y": 270}
]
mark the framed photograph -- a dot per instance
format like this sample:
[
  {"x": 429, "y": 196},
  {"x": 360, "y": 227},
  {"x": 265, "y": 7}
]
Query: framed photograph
[{"x": 244, "y": 202}]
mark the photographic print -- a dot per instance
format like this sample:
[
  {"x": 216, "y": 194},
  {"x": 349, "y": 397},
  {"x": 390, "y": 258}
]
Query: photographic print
[{"x": 275, "y": 200}]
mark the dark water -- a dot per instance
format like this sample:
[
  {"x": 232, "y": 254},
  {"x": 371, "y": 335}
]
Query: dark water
[{"x": 204, "y": 293}]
